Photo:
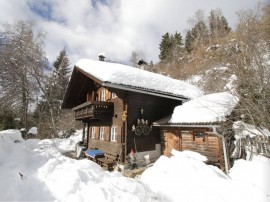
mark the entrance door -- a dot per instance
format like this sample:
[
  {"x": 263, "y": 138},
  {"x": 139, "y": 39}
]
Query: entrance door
[{"x": 173, "y": 142}]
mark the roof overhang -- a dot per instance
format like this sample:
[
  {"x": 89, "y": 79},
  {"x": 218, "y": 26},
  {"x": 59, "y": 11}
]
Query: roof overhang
[
  {"x": 187, "y": 125},
  {"x": 145, "y": 91},
  {"x": 78, "y": 86}
]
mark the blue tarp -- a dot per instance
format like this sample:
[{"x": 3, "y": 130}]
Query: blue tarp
[{"x": 93, "y": 153}]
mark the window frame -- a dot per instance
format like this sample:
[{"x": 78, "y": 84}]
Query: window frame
[
  {"x": 114, "y": 95},
  {"x": 101, "y": 133},
  {"x": 199, "y": 136},
  {"x": 93, "y": 132},
  {"x": 103, "y": 95},
  {"x": 114, "y": 134}
]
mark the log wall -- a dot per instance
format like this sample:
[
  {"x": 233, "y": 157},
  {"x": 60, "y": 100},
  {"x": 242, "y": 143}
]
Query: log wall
[{"x": 183, "y": 139}]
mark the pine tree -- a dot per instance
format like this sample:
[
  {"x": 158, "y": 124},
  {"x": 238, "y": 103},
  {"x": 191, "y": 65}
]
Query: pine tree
[
  {"x": 171, "y": 47},
  {"x": 189, "y": 41},
  {"x": 197, "y": 36},
  {"x": 176, "y": 50},
  {"x": 60, "y": 75},
  {"x": 218, "y": 24},
  {"x": 48, "y": 111},
  {"x": 165, "y": 46}
]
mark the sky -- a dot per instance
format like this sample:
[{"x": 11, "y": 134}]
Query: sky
[{"x": 117, "y": 27}]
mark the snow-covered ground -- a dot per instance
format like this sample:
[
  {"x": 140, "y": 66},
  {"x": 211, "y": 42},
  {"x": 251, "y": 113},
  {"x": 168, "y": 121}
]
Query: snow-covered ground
[{"x": 36, "y": 170}]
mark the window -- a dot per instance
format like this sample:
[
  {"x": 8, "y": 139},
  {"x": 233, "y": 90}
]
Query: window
[
  {"x": 114, "y": 95},
  {"x": 103, "y": 95},
  {"x": 93, "y": 134},
  {"x": 114, "y": 133},
  {"x": 199, "y": 136},
  {"x": 101, "y": 133}
]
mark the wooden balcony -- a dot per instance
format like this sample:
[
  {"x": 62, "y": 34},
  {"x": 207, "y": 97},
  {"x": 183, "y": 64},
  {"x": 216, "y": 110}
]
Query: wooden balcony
[{"x": 94, "y": 110}]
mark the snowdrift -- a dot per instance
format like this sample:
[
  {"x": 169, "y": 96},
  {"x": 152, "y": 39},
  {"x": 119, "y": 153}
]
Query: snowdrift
[{"x": 36, "y": 170}]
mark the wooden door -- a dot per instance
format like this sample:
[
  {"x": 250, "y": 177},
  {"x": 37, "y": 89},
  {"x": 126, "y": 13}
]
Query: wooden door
[{"x": 173, "y": 142}]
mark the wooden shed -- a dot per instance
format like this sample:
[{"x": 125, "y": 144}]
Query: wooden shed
[
  {"x": 119, "y": 103},
  {"x": 200, "y": 125}
]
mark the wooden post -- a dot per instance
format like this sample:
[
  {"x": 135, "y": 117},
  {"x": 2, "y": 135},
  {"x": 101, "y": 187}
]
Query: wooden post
[
  {"x": 83, "y": 137},
  {"x": 126, "y": 131},
  {"x": 87, "y": 137}
]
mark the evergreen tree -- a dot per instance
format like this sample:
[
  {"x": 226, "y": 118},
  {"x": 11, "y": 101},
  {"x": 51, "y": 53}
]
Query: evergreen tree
[
  {"x": 177, "y": 48},
  {"x": 218, "y": 24},
  {"x": 178, "y": 41},
  {"x": 201, "y": 32},
  {"x": 189, "y": 41},
  {"x": 165, "y": 46},
  {"x": 6, "y": 119},
  {"x": 197, "y": 36},
  {"x": 49, "y": 108},
  {"x": 60, "y": 75},
  {"x": 171, "y": 47}
]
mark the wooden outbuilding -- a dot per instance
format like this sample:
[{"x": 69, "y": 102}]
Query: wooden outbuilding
[
  {"x": 201, "y": 125},
  {"x": 119, "y": 103}
]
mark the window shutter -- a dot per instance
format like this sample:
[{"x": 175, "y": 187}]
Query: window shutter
[
  {"x": 90, "y": 132},
  {"x": 108, "y": 95},
  {"x": 107, "y": 133},
  {"x": 119, "y": 134},
  {"x": 98, "y": 94},
  {"x": 97, "y": 133}
]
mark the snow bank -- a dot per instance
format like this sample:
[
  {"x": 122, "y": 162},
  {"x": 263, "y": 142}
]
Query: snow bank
[
  {"x": 255, "y": 172},
  {"x": 184, "y": 177},
  {"x": 11, "y": 136},
  {"x": 68, "y": 144},
  {"x": 35, "y": 170},
  {"x": 33, "y": 131}
]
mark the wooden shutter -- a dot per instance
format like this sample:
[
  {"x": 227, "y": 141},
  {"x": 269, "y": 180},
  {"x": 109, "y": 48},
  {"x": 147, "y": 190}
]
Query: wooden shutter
[
  {"x": 90, "y": 132},
  {"x": 119, "y": 134},
  {"x": 107, "y": 133},
  {"x": 97, "y": 133},
  {"x": 108, "y": 95},
  {"x": 93, "y": 96}
]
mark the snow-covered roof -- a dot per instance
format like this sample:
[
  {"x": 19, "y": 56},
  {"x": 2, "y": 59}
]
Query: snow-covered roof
[
  {"x": 210, "y": 108},
  {"x": 123, "y": 75}
]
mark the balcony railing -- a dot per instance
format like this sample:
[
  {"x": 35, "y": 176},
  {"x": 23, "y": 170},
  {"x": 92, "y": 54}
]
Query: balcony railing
[{"x": 94, "y": 110}]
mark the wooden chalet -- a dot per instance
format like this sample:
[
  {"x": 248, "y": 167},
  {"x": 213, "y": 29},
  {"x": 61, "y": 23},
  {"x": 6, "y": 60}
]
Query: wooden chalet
[
  {"x": 200, "y": 125},
  {"x": 118, "y": 105}
]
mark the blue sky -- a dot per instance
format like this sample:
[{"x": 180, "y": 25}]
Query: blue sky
[{"x": 117, "y": 27}]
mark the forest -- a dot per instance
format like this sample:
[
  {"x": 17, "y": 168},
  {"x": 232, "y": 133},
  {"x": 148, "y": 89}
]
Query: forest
[{"x": 211, "y": 55}]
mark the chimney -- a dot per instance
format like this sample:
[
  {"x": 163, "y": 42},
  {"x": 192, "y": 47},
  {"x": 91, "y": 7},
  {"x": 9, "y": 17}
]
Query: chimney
[
  {"x": 142, "y": 64},
  {"x": 101, "y": 56}
]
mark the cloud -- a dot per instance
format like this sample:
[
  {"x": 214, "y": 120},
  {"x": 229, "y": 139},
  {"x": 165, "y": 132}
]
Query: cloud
[{"x": 118, "y": 27}]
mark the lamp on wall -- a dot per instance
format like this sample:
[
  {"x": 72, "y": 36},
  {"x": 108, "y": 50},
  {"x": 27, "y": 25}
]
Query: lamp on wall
[{"x": 124, "y": 116}]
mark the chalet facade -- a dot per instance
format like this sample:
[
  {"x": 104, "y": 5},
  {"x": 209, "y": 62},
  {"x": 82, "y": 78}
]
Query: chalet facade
[
  {"x": 201, "y": 125},
  {"x": 118, "y": 105}
]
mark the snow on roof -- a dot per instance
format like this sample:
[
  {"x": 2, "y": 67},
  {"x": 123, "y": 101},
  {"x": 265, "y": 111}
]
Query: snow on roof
[
  {"x": 206, "y": 109},
  {"x": 133, "y": 77}
]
